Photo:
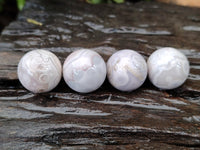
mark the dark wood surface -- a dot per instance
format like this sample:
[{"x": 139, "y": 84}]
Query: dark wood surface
[{"x": 147, "y": 118}]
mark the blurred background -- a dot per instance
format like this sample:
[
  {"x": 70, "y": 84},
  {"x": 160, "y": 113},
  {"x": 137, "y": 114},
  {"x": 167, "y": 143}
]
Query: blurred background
[{"x": 10, "y": 8}]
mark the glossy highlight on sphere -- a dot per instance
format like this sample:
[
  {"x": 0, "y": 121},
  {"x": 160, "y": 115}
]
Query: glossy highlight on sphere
[
  {"x": 127, "y": 70},
  {"x": 84, "y": 70},
  {"x": 168, "y": 68},
  {"x": 39, "y": 71}
]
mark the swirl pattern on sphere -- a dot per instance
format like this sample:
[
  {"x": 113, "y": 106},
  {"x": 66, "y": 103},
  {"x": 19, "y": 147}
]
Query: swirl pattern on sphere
[
  {"x": 39, "y": 71},
  {"x": 127, "y": 70},
  {"x": 84, "y": 70},
  {"x": 168, "y": 68}
]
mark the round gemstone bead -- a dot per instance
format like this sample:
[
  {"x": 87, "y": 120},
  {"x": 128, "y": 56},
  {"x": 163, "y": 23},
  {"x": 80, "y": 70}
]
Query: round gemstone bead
[
  {"x": 39, "y": 71},
  {"x": 127, "y": 70},
  {"x": 84, "y": 71},
  {"x": 168, "y": 68}
]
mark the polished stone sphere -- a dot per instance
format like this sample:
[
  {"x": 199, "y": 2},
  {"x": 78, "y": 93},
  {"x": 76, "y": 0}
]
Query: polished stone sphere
[
  {"x": 168, "y": 68},
  {"x": 39, "y": 71},
  {"x": 84, "y": 71},
  {"x": 127, "y": 70}
]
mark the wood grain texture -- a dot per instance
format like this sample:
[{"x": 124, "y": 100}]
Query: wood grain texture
[{"x": 147, "y": 118}]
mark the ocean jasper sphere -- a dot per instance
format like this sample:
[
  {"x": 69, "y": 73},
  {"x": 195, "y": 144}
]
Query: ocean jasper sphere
[
  {"x": 168, "y": 68},
  {"x": 39, "y": 71},
  {"x": 84, "y": 71},
  {"x": 127, "y": 70}
]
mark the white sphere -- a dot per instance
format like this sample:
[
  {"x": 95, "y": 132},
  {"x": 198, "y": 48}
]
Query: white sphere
[
  {"x": 39, "y": 71},
  {"x": 84, "y": 71},
  {"x": 127, "y": 70},
  {"x": 168, "y": 68}
]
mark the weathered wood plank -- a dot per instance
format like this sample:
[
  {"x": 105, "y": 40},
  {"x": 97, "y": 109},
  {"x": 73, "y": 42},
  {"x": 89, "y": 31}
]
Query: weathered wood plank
[
  {"x": 8, "y": 65},
  {"x": 147, "y": 118}
]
